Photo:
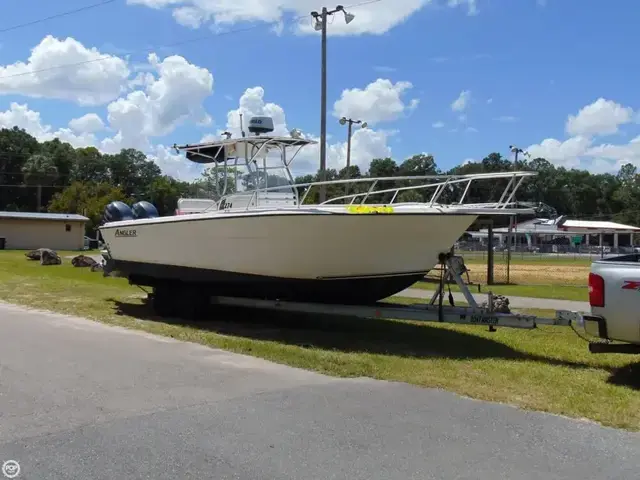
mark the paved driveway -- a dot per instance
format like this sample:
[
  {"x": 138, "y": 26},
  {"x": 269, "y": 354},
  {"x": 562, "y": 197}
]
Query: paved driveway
[{"x": 79, "y": 400}]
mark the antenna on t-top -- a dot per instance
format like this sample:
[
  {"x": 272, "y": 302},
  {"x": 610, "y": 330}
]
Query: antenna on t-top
[{"x": 241, "y": 129}]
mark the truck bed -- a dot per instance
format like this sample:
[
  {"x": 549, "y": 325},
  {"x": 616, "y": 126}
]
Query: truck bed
[{"x": 614, "y": 296}]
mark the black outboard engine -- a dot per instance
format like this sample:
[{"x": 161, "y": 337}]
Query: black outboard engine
[
  {"x": 117, "y": 211},
  {"x": 144, "y": 209}
]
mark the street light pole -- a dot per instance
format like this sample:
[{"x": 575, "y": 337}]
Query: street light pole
[
  {"x": 323, "y": 109},
  {"x": 349, "y": 122},
  {"x": 321, "y": 24},
  {"x": 513, "y": 222}
]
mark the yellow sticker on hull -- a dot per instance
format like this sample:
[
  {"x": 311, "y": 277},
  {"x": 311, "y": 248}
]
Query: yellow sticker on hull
[{"x": 368, "y": 209}]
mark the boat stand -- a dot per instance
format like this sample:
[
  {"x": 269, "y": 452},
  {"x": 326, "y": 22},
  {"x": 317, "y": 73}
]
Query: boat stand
[{"x": 471, "y": 315}]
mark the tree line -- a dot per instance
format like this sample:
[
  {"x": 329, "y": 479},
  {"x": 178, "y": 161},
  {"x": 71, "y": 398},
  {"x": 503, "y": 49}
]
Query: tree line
[{"x": 54, "y": 176}]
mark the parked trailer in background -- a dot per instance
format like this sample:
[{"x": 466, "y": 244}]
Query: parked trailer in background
[{"x": 614, "y": 296}]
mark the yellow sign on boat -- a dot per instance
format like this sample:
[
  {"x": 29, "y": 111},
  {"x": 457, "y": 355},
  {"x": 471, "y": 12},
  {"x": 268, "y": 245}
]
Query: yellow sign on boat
[{"x": 368, "y": 209}]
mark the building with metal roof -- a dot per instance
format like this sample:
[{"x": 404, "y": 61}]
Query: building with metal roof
[
  {"x": 31, "y": 230},
  {"x": 562, "y": 230}
]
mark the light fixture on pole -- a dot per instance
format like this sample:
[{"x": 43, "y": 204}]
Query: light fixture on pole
[
  {"x": 349, "y": 122},
  {"x": 515, "y": 150},
  {"x": 321, "y": 25}
]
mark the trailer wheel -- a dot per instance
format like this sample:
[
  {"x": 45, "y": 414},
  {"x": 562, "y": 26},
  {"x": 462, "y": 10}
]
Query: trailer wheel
[
  {"x": 164, "y": 301},
  {"x": 194, "y": 302}
]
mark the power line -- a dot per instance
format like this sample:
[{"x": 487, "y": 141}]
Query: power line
[
  {"x": 57, "y": 15},
  {"x": 175, "y": 44}
]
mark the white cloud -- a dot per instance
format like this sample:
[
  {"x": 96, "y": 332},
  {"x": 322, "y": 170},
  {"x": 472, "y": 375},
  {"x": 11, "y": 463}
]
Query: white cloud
[
  {"x": 170, "y": 92},
  {"x": 566, "y": 154},
  {"x": 89, "y": 123},
  {"x": 380, "y": 101},
  {"x": 90, "y": 83},
  {"x": 506, "y": 119},
  {"x": 168, "y": 100},
  {"x": 437, "y": 124},
  {"x": 22, "y": 116},
  {"x": 366, "y": 144},
  {"x": 472, "y": 6},
  {"x": 374, "y": 18},
  {"x": 252, "y": 104},
  {"x": 602, "y": 117},
  {"x": 619, "y": 154},
  {"x": 174, "y": 164},
  {"x": 167, "y": 93},
  {"x": 461, "y": 103}
]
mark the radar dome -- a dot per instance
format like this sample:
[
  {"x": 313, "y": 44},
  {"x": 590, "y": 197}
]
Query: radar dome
[{"x": 260, "y": 125}]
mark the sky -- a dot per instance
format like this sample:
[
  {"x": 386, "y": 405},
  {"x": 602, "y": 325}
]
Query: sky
[{"x": 457, "y": 79}]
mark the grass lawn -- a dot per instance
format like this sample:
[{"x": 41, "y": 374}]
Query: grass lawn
[
  {"x": 557, "y": 292},
  {"x": 548, "y": 369},
  {"x": 530, "y": 269},
  {"x": 521, "y": 258}
]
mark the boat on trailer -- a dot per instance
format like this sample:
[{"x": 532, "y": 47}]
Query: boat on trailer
[{"x": 262, "y": 239}]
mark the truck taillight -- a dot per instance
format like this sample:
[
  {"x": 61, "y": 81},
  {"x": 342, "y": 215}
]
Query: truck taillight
[{"x": 596, "y": 290}]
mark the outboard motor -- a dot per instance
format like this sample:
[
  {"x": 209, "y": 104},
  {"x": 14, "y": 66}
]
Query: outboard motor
[
  {"x": 144, "y": 209},
  {"x": 117, "y": 211}
]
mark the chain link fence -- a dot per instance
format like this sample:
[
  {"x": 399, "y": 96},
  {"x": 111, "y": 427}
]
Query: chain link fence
[{"x": 544, "y": 265}]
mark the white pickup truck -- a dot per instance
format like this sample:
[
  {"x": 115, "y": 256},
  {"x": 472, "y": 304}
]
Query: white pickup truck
[{"x": 614, "y": 296}]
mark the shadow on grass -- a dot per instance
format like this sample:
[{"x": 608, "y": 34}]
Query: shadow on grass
[
  {"x": 627, "y": 376},
  {"x": 347, "y": 334}
]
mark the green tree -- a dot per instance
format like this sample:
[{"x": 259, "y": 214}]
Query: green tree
[
  {"x": 90, "y": 166},
  {"x": 164, "y": 193},
  {"x": 628, "y": 195},
  {"x": 88, "y": 199},
  {"x": 132, "y": 172},
  {"x": 16, "y": 146},
  {"x": 39, "y": 170}
]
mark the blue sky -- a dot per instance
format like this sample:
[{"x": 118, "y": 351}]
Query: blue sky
[{"x": 526, "y": 65}]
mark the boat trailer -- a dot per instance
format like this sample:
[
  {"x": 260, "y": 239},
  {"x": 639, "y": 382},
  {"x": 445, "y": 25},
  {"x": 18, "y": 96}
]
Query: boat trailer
[{"x": 434, "y": 311}]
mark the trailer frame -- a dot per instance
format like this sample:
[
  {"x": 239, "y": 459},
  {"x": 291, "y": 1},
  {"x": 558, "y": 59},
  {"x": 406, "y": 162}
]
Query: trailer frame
[
  {"x": 414, "y": 312},
  {"x": 434, "y": 311}
]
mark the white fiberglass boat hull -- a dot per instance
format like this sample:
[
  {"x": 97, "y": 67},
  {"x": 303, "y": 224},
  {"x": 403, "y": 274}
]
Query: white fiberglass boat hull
[{"x": 304, "y": 254}]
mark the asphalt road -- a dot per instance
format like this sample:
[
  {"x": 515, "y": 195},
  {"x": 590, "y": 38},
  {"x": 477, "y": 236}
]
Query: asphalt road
[{"x": 79, "y": 400}]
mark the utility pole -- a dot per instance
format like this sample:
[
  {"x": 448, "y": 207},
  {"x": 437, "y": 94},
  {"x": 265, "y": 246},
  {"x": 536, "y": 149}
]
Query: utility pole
[
  {"x": 321, "y": 25},
  {"x": 349, "y": 122}
]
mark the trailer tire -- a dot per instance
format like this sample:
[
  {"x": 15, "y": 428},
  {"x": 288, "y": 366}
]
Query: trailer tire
[
  {"x": 164, "y": 301},
  {"x": 194, "y": 302}
]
